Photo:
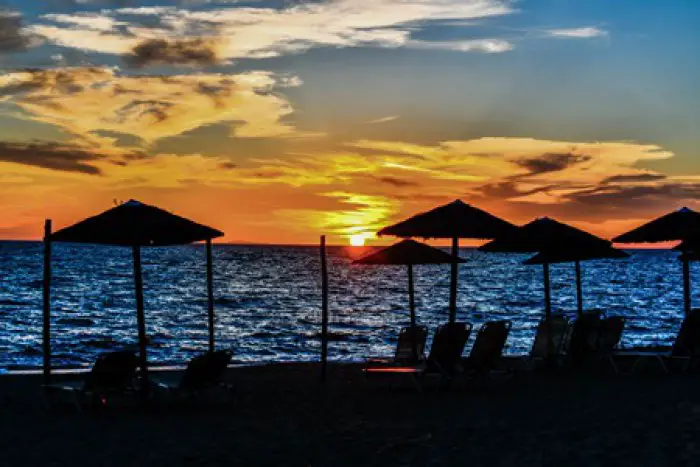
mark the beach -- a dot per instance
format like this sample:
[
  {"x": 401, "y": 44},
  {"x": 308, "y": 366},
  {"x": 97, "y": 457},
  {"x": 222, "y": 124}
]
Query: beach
[{"x": 280, "y": 415}]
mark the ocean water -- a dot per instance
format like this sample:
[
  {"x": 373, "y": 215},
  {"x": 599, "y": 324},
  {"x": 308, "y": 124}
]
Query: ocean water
[{"x": 267, "y": 301}]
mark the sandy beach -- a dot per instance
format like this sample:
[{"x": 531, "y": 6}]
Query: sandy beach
[{"x": 280, "y": 415}]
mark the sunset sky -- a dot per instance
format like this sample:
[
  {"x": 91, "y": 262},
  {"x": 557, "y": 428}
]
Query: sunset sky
[{"x": 277, "y": 121}]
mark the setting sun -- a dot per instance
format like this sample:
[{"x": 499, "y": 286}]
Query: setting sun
[{"x": 358, "y": 239}]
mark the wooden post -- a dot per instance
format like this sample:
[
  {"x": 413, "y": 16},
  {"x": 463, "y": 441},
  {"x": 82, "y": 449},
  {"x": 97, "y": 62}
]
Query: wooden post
[
  {"x": 688, "y": 306},
  {"x": 210, "y": 296},
  {"x": 547, "y": 292},
  {"x": 141, "y": 319},
  {"x": 324, "y": 310},
  {"x": 411, "y": 302},
  {"x": 579, "y": 289},
  {"x": 47, "y": 302},
  {"x": 453, "y": 280}
]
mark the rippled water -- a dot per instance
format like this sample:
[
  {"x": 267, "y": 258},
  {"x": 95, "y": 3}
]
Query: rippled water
[{"x": 268, "y": 300}]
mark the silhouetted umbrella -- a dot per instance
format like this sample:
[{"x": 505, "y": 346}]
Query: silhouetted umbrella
[
  {"x": 454, "y": 220},
  {"x": 408, "y": 253},
  {"x": 683, "y": 224},
  {"x": 555, "y": 242},
  {"x": 136, "y": 225}
]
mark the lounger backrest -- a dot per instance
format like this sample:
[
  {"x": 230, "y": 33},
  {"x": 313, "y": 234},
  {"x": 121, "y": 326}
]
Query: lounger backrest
[
  {"x": 205, "y": 370},
  {"x": 585, "y": 334},
  {"x": 611, "y": 329},
  {"x": 688, "y": 339},
  {"x": 448, "y": 344},
  {"x": 411, "y": 344},
  {"x": 112, "y": 371},
  {"x": 544, "y": 346},
  {"x": 489, "y": 344}
]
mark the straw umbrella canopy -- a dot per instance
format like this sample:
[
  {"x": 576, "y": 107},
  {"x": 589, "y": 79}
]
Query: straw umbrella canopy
[
  {"x": 683, "y": 224},
  {"x": 408, "y": 253},
  {"x": 454, "y": 220},
  {"x": 134, "y": 224},
  {"x": 555, "y": 242}
]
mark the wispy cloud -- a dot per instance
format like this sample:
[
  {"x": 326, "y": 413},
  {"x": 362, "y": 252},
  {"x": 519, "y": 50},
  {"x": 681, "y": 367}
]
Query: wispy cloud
[
  {"x": 577, "y": 33},
  {"x": 86, "y": 101},
  {"x": 262, "y": 32},
  {"x": 389, "y": 118},
  {"x": 490, "y": 46}
]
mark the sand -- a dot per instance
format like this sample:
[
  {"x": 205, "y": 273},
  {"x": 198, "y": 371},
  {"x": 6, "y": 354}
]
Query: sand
[{"x": 280, "y": 415}]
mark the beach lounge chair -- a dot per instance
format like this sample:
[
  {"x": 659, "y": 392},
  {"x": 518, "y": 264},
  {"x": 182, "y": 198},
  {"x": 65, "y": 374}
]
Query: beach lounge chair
[
  {"x": 585, "y": 337},
  {"x": 410, "y": 347},
  {"x": 549, "y": 340},
  {"x": 111, "y": 376},
  {"x": 611, "y": 329},
  {"x": 488, "y": 347},
  {"x": 204, "y": 372},
  {"x": 444, "y": 358},
  {"x": 686, "y": 348}
]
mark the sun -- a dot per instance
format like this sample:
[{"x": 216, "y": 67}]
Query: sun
[{"x": 358, "y": 239}]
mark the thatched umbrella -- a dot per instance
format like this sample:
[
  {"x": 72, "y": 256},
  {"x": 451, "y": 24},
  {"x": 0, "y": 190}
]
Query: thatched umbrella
[
  {"x": 683, "y": 224},
  {"x": 132, "y": 224},
  {"x": 556, "y": 242},
  {"x": 408, "y": 253},
  {"x": 454, "y": 220}
]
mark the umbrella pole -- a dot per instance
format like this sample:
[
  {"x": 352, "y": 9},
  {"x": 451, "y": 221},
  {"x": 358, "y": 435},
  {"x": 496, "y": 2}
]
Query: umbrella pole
[
  {"x": 547, "y": 291},
  {"x": 138, "y": 285},
  {"x": 47, "y": 302},
  {"x": 210, "y": 296},
  {"x": 579, "y": 288},
  {"x": 411, "y": 302},
  {"x": 324, "y": 311},
  {"x": 686, "y": 287},
  {"x": 453, "y": 280}
]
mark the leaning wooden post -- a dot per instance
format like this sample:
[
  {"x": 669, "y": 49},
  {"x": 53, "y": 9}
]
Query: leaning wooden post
[
  {"x": 686, "y": 285},
  {"x": 453, "y": 279},
  {"x": 547, "y": 292},
  {"x": 411, "y": 300},
  {"x": 324, "y": 310},
  {"x": 47, "y": 302},
  {"x": 210, "y": 295},
  {"x": 579, "y": 289},
  {"x": 141, "y": 319}
]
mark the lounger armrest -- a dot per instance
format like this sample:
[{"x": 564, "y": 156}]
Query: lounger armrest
[{"x": 73, "y": 386}]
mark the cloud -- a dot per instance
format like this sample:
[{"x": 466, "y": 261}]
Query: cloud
[
  {"x": 262, "y": 32},
  {"x": 489, "y": 46},
  {"x": 551, "y": 162},
  {"x": 577, "y": 33},
  {"x": 52, "y": 156},
  {"x": 634, "y": 178},
  {"x": 13, "y": 37},
  {"x": 87, "y": 101},
  {"x": 193, "y": 52},
  {"x": 389, "y": 118}
]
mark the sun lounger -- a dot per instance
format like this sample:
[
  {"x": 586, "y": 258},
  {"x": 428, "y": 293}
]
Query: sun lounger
[
  {"x": 611, "y": 329},
  {"x": 410, "y": 347},
  {"x": 444, "y": 358},
  {"x": 686, "y": 348},
  {"x": 549, "y": 341},
  {"x": 204, "y": 372},
  {"x": 488, "y": 347},
  {"x": 111, "y": 376},
  {"x": 585, "y": 337}
]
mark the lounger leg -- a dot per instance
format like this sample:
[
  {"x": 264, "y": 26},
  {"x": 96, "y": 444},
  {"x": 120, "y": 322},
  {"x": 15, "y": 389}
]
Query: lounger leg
[{"x": 611, "y": 359}]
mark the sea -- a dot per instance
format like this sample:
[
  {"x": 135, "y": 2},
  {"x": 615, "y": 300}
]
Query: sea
[{"x": 268, "y": 301}]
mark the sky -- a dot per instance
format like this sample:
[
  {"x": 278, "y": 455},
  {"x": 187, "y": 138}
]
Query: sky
[{"x": 279, "y": 121}]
